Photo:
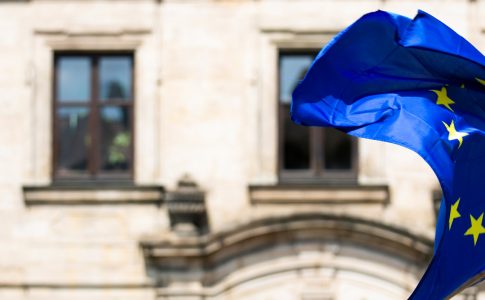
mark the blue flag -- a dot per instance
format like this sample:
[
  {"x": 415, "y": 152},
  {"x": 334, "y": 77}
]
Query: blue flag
[{"x": 418, "y": 84}]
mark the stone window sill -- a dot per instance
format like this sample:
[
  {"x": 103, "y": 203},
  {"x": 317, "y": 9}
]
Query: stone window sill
[
  {"x": 93, "y": 194},
  {"x": 319, "y": 194}
]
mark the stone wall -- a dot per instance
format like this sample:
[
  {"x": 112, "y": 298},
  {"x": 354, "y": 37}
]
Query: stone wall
[{"x": 205, "y": 105}]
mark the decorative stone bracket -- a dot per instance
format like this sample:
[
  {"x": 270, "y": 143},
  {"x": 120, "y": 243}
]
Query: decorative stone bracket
[{"x": 186, "y": 208}]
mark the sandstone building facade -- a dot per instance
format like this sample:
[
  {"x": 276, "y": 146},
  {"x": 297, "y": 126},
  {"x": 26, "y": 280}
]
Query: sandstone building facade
[{"x": 147, "y": 154}]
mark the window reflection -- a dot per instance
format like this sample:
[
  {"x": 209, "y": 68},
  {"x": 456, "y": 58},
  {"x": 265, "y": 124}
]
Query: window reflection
[
  {"x": 115, "y": 78},
  {"x": 292, "y": 69},
  {"x": 73, "y": 138},
  {"x": 116, "y": 138},
  {"x": 73, "y": 79}
]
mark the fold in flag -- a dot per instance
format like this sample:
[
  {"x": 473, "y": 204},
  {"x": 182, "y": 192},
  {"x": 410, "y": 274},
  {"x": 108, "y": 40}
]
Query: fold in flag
[{"x": 418, "y": 84}]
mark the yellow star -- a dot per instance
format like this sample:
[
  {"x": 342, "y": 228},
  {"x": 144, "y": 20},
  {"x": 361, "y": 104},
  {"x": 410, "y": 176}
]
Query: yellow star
[
  {"x": 454, "y": 213},
  {"x": 476, "y": 228},
  {"x": 453, "y": 134},
  {"x": 480, "y": 80},
  {"x": 443, "y": 98}
]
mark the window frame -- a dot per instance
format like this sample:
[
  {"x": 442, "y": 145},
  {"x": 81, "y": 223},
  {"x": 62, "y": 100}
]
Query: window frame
[
  {"x": 316, "y": 173},
  {"x": 93, "y": 172}
]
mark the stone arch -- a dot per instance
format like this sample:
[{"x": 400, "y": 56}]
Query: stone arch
[{"x": 331, "y": 247}]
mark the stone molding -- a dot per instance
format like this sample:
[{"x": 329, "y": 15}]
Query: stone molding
[
  {"x": 210, "y": 259},
  {"x": 92, "y": 195},
  {"x": 318, "y": 194},
  {"x": 75, "y": 286}
]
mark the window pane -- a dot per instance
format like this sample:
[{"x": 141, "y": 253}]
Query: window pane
[
  {"x": 72, "y": 139},
  {"x": 292, "y": 70},
  {"x": 337, "y": 149},
  {"x": 296, "y": 139},
  {"x": 115, "y": 78},
  {"x": 296, "y": 144},
  {"x": 115, "y": 139},
  {"x": 73, "y": 79}
]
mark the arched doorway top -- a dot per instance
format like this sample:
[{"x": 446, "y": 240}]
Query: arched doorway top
[{"x": 210, "y": 259}]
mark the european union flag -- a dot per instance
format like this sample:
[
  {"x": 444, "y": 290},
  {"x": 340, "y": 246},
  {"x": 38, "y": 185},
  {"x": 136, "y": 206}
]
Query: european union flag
[{"x": 418, "y": 84}]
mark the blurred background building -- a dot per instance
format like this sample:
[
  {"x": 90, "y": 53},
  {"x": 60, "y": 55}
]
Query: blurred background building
[{"x": 147, "y": 153}]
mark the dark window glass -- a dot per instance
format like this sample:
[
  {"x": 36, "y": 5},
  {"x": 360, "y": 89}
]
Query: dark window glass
[
  {"x": 337, "y": 149},
  {"x": 309, "y": 152},
  {"x": 296, "y": 147},
  {"x": 93, "y": 128},
  {"x": 73, "y": 139}
]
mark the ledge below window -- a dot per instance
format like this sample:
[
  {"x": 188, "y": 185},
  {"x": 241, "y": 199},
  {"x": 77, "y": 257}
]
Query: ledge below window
[
  {"x": 93, "y": 194},
  {"x": 318, "y": 194}
]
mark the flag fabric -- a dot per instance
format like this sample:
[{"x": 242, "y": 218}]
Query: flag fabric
[{"x": 418, "y": 84}]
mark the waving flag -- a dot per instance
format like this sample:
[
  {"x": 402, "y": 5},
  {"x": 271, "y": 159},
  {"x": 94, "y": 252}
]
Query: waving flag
[{"x": 418, "y": 84}]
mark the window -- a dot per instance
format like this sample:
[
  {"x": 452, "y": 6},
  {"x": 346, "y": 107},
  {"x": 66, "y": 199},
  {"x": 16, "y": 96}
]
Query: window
[
  {"x": 309, "y": 153},
  {"x": 93, "y": 116}
]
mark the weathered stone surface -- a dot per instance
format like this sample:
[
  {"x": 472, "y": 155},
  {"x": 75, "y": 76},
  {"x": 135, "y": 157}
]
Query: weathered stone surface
[{"x": 205, "y": 105}]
